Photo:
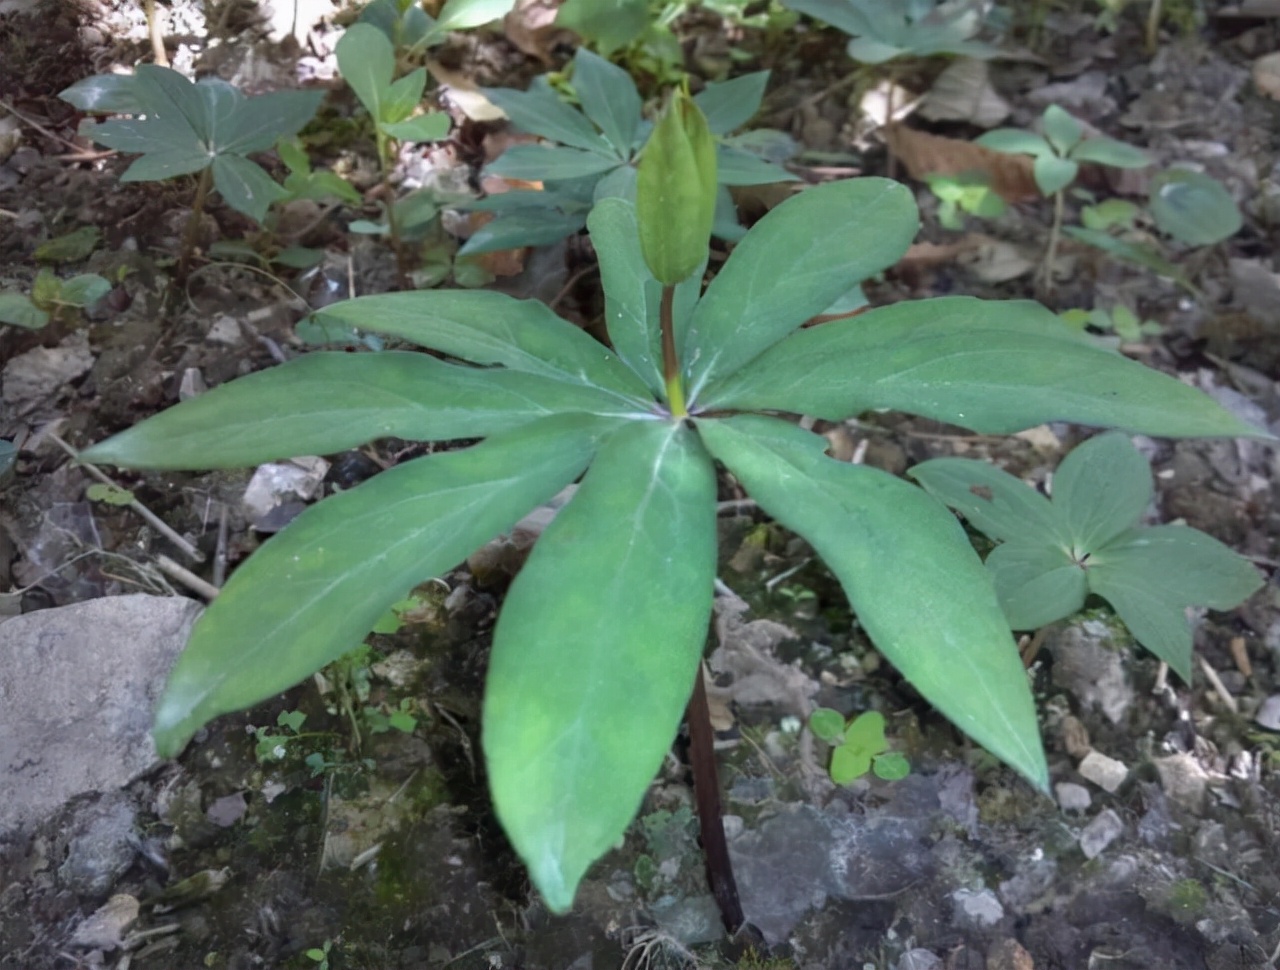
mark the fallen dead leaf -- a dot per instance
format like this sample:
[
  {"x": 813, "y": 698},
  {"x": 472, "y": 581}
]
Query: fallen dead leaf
[
  {"x": 983, "y": 257},
  {"x": 963, "y": 92},
  {"x": 531, "y": 27},
  {"x": 924, "y": 154},
  {"x": 463, "y": 94}
]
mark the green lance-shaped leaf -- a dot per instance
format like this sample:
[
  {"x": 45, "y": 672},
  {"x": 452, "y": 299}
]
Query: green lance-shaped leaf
[
  {"x": 465, "y": 14},
  {"x": 994, "y": 367},
  {"x": 1037, "y": 582},
  {"x": 1001, "y": 506},
  {"x": 728, "y": 105},
  {"x": 317, "y": 588},
  {"x": 541, "y": 111},
  {"x": 596, "y": 650},
  {"x": 609, "y": 98},
  {"x": 328, "y": 402},
  {"x": 676, "y": 191},
  {"x": 632, "y": 295},
  {"x": 492, "y": 328},
  {"x": 784, "y": 272},
  {"x": 911, "y": 575},
  {"x": 367, "y": 60}
]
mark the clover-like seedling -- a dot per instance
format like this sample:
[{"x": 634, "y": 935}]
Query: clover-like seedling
[
  {"x": 182, "y": 128},
  {"x": 50, "y": 297},
  {"x": 595, "y": 151},
  {"x": 1119, "y": 320},
  {"x": 1059, "y": 153},
  {"x": 969, "y": 192},
  {"x": 858, "y": 746},
  {"x": 1053, "y": 554},
  {"x": 905, "y": 28},
  {"x": 601, "y": 634}
]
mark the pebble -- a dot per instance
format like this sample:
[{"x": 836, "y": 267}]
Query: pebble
[
  {"x": 1072, "y": 797},
  {"x": 919, "y": 959},
  {"x": 977, "y": 909},
  {"x": 1105, "y": 772},
  {"x": 1269, "y": 713},
  {"x": 1100, "y": 833},
  {"x": 1184, "y": 780},
  {"x": 103, "y": 847}
]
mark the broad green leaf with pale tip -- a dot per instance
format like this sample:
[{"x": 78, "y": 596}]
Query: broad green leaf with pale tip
[
  {"x": 783, "y": 272},
  {"x": 992, "y": 366},
  {"x": 492, "y": 328},
  {"x": 316, "y": 589},
  {"x": 83, "y": 290},
  {"x": 324, "y": 403},
  {"x": 596, "y": 650},
  {"x": 107, "y": 94},
  {"x": 911, "y": 576},
  {"x": 1193, "y": 208},
  {"x": 1102, "y": 488}
]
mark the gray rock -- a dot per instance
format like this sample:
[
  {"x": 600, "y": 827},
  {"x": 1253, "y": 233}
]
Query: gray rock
[
  {"x": 1105, "y": 772},
  {"x": 77, "y": 688},
  {"x": 1100, "y": 833},
  {"x": 1072, "y": 797},
  {"x": 1269, "y": 713},
  {"x": 102, "y": 846},
  {"x": 691, "y": 920},
  {"x": 799, "y": 858},
  {"x": 977, "y": 910},
  {"x": 919, "y": 959},
  {"x": 1087, "y": 663}
]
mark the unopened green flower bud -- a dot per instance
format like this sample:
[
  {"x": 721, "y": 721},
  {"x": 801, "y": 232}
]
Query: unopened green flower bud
[{"x": 676, "y": 191}]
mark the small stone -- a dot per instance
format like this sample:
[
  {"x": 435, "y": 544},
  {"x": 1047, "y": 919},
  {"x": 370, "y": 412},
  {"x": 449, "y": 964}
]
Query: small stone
[
  {"x": 1100, "y": 833},
  {"x": 1269, "y": 713},
  {"x": 1184, "y": 780},
  {"x": 275, "y": 483},
  {"x": 106, "y": 927},
  {"x": 1072, "y": 797},
  {"x": 1107, "y": 773},
  {"x": 1089, "y": 665},
  {"x": 919, "y": 959},
  {"x": 224, "y": 330},
  {"x": 102, "y": 849},
  {"x": 1075, "y": 737},
  {"x": 1009, "y": 955},
  {"x": 977, "y": 909}
]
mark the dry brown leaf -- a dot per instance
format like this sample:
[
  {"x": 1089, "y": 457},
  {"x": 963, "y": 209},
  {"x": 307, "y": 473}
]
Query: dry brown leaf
[
  {"x": 984, "y": 257},
  {"x": 925, "y": 154},
  {"x": 464, "y": 94},
  {"x": 531, "y": 27}
]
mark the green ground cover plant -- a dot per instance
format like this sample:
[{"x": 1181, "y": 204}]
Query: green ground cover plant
[
  {"x": 591, "y": 151},
  {"x": 858, "y": 746},
  {"x": 600, "y": 637},
  {"x": 913, "y": 28},
  {"x": 1087, "y": 540}
]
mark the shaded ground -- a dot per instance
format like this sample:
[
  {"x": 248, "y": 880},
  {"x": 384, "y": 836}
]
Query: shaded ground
[{"x": 384, "y": 850}]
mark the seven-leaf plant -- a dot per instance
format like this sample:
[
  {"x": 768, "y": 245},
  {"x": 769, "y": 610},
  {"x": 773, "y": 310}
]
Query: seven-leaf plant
[
  {"x": 1053, "y": 554},
  {"x": 601, "y": 634},
  {"x": 596, "y": 147},
  {"x": 183, "y": 128}
]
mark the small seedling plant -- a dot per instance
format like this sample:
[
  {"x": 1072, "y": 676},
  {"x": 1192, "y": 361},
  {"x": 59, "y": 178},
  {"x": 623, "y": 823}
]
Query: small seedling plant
[
  {"x": 1059, "y": 153},
  {"x": 367, "y": 61},
  {"x": 601, "y": 634},
  {"x": 858, "y": 746},
  {"x": 1088, "y": 540},
  {"x": 968, "y": 192},
  {"x": 411, "y": 29},
  {"x": 1117, "y": 322},
  {"x": 51, "y": 298},
  {"x": 911, "y": 28},
  {"x": 182, "y": 128},
  {"x": 595, "y": 150}
]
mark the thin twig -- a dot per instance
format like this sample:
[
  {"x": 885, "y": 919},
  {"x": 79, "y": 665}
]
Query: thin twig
[
  {"x": 37, "y": 126},
  {"x": 185, "y": 576},
  {"x": 220, "y": 555},
  {"x": 570, "y": 283},
  {"x": 1219, "y": 688},
  {"x": 187, "y": 549}
]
